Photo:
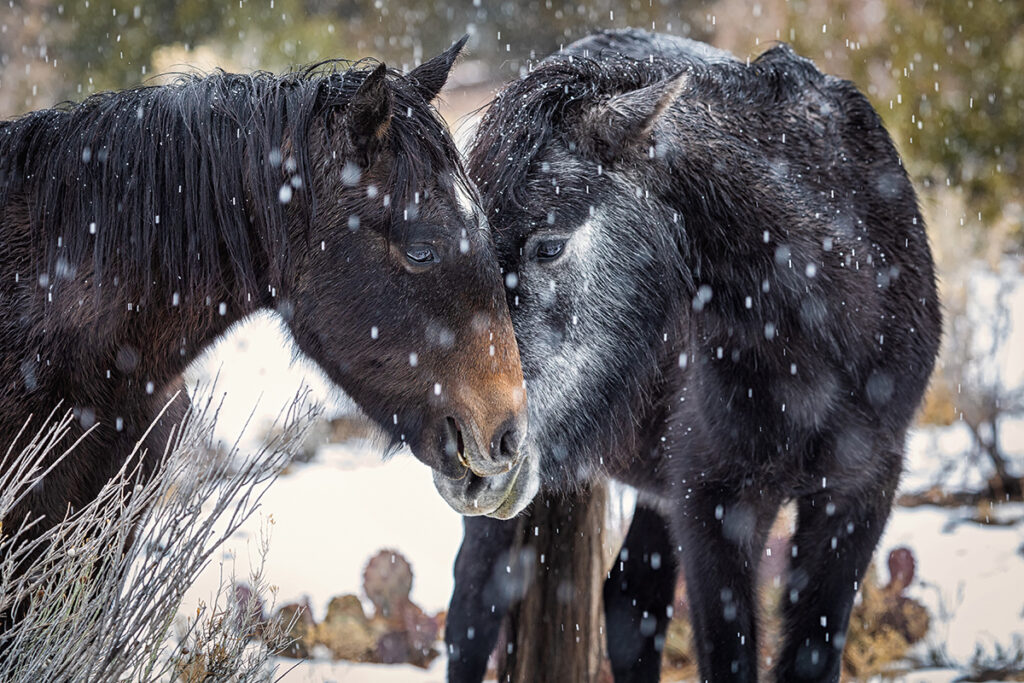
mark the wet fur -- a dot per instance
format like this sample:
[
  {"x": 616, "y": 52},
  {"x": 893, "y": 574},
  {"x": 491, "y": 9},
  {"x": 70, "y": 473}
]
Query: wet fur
[
  {"x": 745, "y": 313},
  {"x": 193, "y": 233}
]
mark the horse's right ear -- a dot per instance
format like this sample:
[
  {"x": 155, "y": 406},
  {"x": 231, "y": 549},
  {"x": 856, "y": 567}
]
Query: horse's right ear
[
  {"x": 430, "y": 76},
  {"x": 610, "y": 128},
  {"x": 368, "y": 116}
]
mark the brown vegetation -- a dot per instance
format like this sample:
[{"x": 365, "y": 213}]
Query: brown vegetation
[{"x": 398, "y": 632}]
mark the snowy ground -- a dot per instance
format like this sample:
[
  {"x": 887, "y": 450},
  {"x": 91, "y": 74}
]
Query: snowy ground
[
  {"x": 969, "y": 574},
  {"x": 343, "y": 672},
  {"x": 329, "y": 519},
  {"x": 331, "y": 515}
]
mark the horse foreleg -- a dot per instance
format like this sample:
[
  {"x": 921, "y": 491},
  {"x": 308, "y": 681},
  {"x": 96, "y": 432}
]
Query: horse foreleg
[
  {"x": 638, "y": 595},
  {"x": 480, "y": 598},
  {"x": 835, "y": 537},
  {"x": 722, "y": 530}
]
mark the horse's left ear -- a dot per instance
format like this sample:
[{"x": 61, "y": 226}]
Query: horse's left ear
[
  {"x": 429, "y": 77},
  {"x": 368, "y": 115},
  {"x": 626, "y": 119}
]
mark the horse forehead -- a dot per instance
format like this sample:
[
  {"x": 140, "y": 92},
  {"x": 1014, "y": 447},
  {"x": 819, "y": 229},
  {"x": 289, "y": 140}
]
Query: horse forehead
[
  {"x": 470, "y": 208},
  {"x": 555, "y": 158}
]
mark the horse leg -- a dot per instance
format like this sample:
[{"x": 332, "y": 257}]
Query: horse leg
[
  {"x": 835, "y": 537},
  {"x": 638, "y": 595},
  {"x": 722, "y": 529},
  {"x": 480, "y": 599}
]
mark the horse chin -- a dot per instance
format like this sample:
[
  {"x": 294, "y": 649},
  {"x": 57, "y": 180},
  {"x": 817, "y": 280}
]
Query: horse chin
[
  {"x": 523, "y": 490},
  {"x": 502, "y": 496}
]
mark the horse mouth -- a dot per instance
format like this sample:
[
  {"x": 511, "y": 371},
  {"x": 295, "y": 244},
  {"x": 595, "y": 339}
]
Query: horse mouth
[
  {"x": 501, "y": 496},
  {"x": 453, "y": 445},
  {"x": 514, "y": 501}
]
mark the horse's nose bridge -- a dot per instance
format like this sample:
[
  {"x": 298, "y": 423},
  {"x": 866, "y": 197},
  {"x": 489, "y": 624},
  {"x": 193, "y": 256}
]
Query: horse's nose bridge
[
  {"x": 490, "y": 401},
  {"x": 489, "y": 386}
]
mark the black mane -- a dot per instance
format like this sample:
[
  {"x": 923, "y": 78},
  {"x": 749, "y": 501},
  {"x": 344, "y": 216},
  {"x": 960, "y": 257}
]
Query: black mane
[
  {"x": 183, "y": 180},
  {"x": 509, "y": 137}
]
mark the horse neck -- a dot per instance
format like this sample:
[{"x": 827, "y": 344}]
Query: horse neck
[
  {"x": 175, "y": 330},
  {"x": 176, "y": 322},
  {"x": 133, "y": 336}
]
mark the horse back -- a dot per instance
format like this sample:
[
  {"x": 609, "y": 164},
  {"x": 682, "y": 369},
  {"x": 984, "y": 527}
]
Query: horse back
[{"x": 639, "y": 44}]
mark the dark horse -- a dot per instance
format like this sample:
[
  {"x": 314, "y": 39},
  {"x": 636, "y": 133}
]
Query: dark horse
[
  {"x": 138, "y": 226},
  {"x": 724, "y": 297}
]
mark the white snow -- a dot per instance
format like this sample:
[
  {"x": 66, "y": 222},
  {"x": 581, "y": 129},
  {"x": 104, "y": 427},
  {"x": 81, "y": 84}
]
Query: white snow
[
  {"x": 968, "y": 575},
  {"x": 256, "y": 367},
  {"x": 331, "y": 515},
  {"x": 328, "y": 519},
  {"x": 320, "y": 671}
]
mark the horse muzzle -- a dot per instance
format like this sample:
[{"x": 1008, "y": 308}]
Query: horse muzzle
[{"x": 502, "y": 495}]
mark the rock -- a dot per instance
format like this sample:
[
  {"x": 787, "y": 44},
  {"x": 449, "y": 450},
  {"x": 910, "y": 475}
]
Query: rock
[
  {"x": 1005, "y": 489},
  {"x": 302, "y": 632},
  {"x": 249, "y": 611},
  {"x": 387, "y": 581},
  {"x": 884, "y": 623},
  {"x": 350, "y": 427},
  {"x": 906, "y": 616},
  {"x": 411, "y": 642},
  {"x": 441, "y": 618},
  {"x": 405, "y": 633},
  {"x": 346, "y": 606},
  {"x": 901, "y": 570},
  {"x": 678, "y": 647},
  {"x": 346, "y": 631}
]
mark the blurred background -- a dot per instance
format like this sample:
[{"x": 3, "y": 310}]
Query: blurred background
[{"x": 947, "y": 77}]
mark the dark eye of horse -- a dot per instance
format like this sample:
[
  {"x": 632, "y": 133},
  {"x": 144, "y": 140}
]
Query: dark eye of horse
[
  {"x": 550, "y": 250},
  {"x": 421, "y": 254}
]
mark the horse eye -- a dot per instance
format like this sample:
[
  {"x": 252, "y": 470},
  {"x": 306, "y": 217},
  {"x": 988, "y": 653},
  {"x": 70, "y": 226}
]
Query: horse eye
[
  {"x": 549, "y": 250},
  {"x": 421, "y": 254}
]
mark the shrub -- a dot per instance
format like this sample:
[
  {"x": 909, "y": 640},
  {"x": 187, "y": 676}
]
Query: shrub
[{"x": 100, "y": 590}]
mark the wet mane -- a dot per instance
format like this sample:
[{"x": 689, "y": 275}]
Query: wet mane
[{"x": 184, "y": 181}]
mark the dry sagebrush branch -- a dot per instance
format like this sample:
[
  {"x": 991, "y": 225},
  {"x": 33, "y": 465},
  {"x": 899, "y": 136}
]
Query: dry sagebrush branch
[{"x": 97, "y": 594}]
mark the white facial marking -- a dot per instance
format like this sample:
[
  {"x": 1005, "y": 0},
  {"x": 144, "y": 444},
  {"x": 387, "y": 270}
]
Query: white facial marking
[{"x": 561, "y": 360}]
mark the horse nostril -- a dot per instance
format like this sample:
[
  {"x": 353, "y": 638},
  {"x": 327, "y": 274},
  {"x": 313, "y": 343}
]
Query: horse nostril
[
  {"x": 454, "y": 446},
  {"x": 508, "y": 446}
]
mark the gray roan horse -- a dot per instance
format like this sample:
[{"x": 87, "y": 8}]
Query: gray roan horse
[
  {"x": 724, "y": 296},
  {"x": 138, "y": 226}
]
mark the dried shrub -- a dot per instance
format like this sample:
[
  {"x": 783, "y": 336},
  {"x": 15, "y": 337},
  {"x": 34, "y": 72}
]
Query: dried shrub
[
  {"x": 100, "y": 590},
  {"x": 1002, "y": 663},
  {"x": 302, "y": 629},
  {"x": 884, "y": 623},
  {"x": 231, "y": 639}
]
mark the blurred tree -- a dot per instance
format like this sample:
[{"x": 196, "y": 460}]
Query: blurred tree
[
  {"x": 958, "y": 83},
  {"x": 104, "y": 44}
]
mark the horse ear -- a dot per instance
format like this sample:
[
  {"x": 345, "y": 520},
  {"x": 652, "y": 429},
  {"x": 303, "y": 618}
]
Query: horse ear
[
  {"x": 626, "y": 119},
  {"x": 429, "y": 77},
  {"x": 368, "y": 115}
]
